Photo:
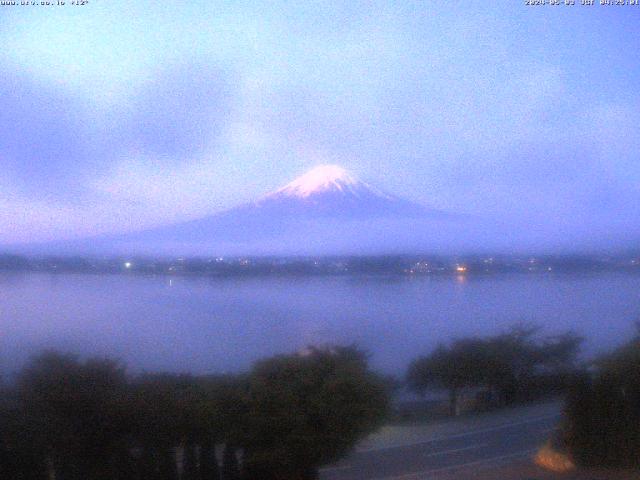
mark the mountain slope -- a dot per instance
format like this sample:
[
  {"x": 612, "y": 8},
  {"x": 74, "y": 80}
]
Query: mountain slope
[
  {"x": 330, "y": 191},
  {"x": 326, "y": 194},
  {"x": 326, "y": 210}
]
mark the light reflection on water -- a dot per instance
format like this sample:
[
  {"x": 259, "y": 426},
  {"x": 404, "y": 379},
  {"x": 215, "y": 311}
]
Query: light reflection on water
[{"x": 205, "y": 324}]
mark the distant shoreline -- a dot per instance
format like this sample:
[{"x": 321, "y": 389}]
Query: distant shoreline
[{"x": 334, "y": 266}]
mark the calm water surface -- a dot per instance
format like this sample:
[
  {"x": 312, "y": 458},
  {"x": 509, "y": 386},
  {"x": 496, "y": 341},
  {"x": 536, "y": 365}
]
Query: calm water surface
[{"x": 215, "y": 325}]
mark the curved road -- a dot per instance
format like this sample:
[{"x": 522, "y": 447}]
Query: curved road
[{"x": 429, "y": 451}]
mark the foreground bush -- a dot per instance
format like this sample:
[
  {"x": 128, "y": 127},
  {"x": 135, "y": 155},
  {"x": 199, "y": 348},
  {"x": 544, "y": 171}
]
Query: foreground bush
[
  {"x": 308, "y": 410},
  {"x": 512, "y": 367},
  {"x": 602, "y": 417},
  {"x": 88, "y": 420}
]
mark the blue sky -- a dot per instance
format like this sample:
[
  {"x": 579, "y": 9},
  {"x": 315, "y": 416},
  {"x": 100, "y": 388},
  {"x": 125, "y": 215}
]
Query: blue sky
[{"x": 120, "y": 115}]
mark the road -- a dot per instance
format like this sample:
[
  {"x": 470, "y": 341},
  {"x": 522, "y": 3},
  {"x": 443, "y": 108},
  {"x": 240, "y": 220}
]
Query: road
[{"x": 431, "y": 451}]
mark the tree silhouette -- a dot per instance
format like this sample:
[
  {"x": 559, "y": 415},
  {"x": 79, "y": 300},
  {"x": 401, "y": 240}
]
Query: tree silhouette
[
  {"x": 452, "y": 368},
  {"x": 78, "y": 419},
  {"x": 78, "y": 412},
  {"x": 230, "y": 468},
  {"x": 602, "y": 416},
  {"x": 512, "y": 365},
  {"x": 308, "y": 409}
]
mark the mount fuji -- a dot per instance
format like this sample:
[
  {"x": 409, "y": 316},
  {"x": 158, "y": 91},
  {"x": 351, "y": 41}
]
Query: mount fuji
[
  {"x": 330, "y": 191},
  {"x": 326, "y": 210}
]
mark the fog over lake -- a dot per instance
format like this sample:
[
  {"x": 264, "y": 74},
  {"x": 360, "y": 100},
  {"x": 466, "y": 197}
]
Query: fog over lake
[{"x": 205, "y": 325}]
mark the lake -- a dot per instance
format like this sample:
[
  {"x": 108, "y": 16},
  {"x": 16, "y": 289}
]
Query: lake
[{"x": 202, "y": 325}]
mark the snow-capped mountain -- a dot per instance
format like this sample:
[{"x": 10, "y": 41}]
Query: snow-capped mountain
[
  {"x": 321, "y": 180},
  {"x": 331, "y": 191},
  {"x": 325, "y": 210}
]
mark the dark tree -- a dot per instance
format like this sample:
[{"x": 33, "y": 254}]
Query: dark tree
[
  {"x": 220, "y": 420},
  {"x": 78, "y": 413},
  {"x": 452, "y": 368},
  {"x": 230, "y": 468},
  {"x": 522, "y": 365},
  {"x": 308, "y": 409},
  {"x": 77, "y": 420},
  {"x": 20, "y": 455},
  {"x": 516, "y": 365},
  {"x": 209, "y": 469},
  {"x": 602, "y": 416},
  {"x": 164, "y": 405}
]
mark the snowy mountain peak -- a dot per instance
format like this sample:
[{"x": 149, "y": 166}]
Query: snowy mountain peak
[
  {"x": 319, "y": 179},
  {"x": 325, "y": 206},
  {"x": 329, "y": 191}
]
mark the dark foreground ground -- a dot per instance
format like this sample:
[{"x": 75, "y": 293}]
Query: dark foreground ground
[
  {"x": 527, "y": 470},
  {"x": 499, "y": 445}
]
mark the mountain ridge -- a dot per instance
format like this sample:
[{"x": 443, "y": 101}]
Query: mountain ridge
[
  {"x": 322, "y": 179},
  {"x": 326, "y": 208}
]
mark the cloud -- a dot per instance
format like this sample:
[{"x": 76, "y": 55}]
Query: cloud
[
  {"x": 54, "y": 142},
  {"x": 43, "y": 132},
  {"x": 169, "y": 114},
  {"x": 178, "y": 113},
  {"x": 59, "y": 150}
]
